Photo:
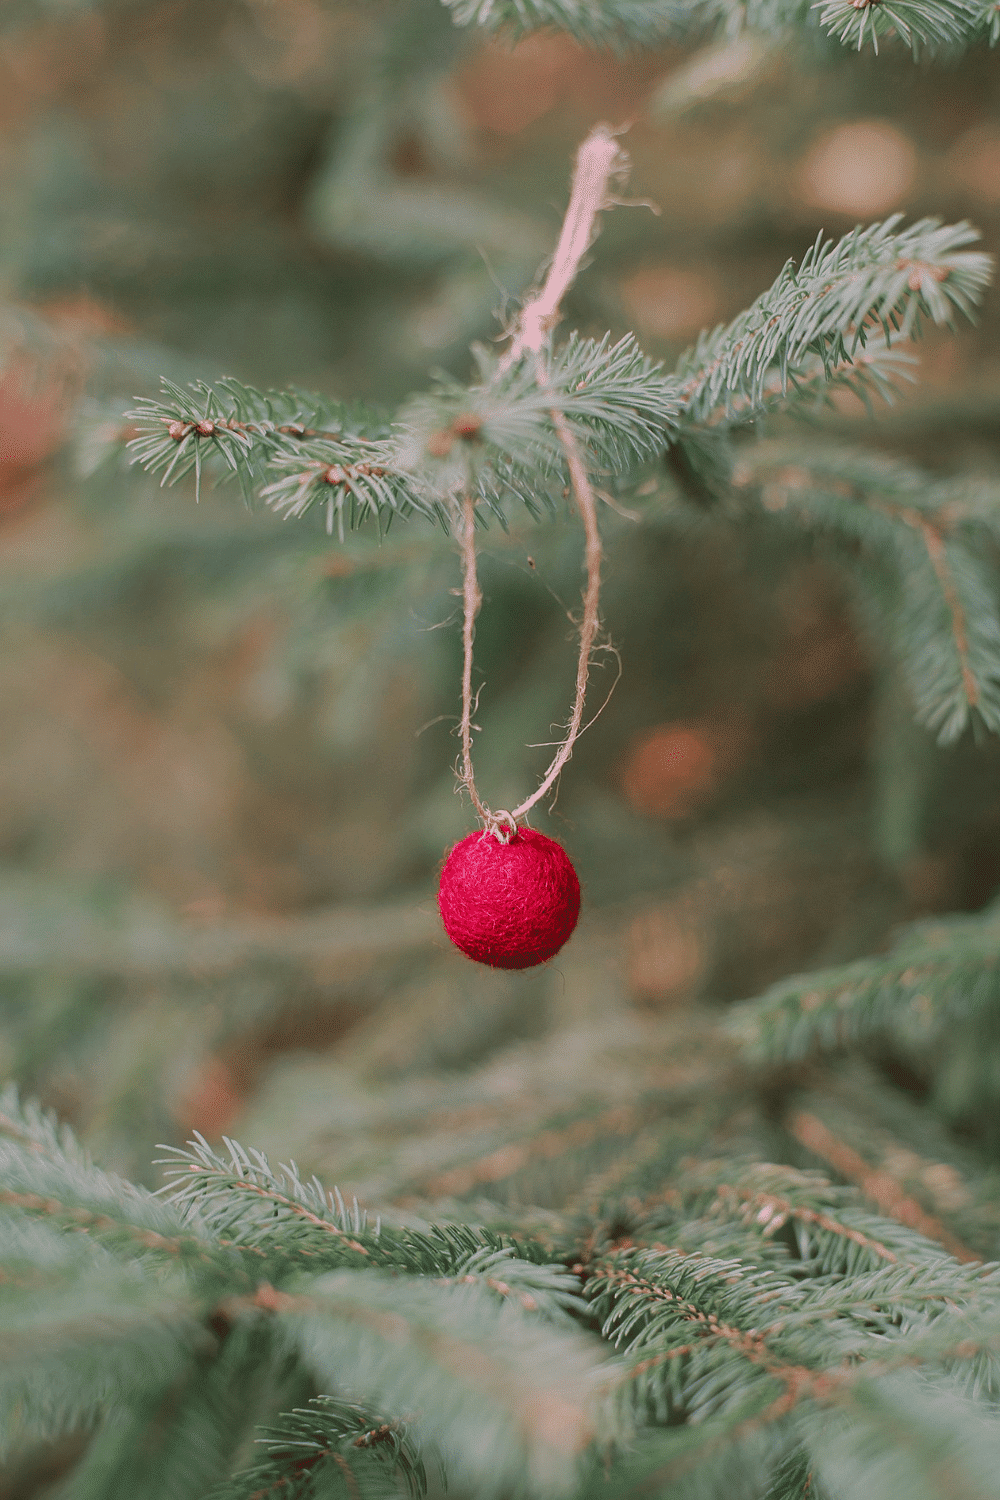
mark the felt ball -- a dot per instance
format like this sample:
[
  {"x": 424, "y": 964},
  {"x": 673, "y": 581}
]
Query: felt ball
[{"x": 509, "y": 905}]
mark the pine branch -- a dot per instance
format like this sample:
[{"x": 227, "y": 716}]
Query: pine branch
[
  {"x": 928, "y": 578},
  {"x": 879, "y": 1187},
  {"x": 180, "y": 1438},
  {"x": 248, "y": 434},
  {"x": 830, "y": 1234},
  {"x": 879, "y": 279},
  {"x": 42, "y": 1177},
  {"x": 829, "y": 323},
  {"x": 281, "y": 1218},
  {"x": 906, "y": 1155},
  {"x": 520, "y": 1384},
  {"x": 924, "y": 25},
  {"x": 901, "y": 1435},
  {"x": 937, "y": 973},
  {"x": 333, "y": 1447},
  {"x": 921, "y": 24},
  {"x": 86, "y": 1332}
]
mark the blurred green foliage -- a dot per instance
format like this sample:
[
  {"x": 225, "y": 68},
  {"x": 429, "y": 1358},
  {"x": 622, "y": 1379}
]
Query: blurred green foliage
[{"x": 227, "y": 747}]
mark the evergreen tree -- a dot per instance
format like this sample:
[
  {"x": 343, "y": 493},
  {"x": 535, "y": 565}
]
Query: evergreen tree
[{"x": 693, "y": 1253}]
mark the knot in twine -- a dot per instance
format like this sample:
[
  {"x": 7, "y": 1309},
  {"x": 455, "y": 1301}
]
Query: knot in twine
[{"x": 493, "y": 821}]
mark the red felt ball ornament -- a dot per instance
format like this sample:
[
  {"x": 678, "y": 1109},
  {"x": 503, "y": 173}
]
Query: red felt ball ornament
[{"x": 509, "y": 905}]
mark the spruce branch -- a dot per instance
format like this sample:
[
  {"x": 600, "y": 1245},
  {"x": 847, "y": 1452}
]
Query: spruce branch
[
  {"x": 38, "y": 1130},
  {"x": 58, "y": 1183},
  {"x": 548, "y": 1289},
  {"x": 79, "y": 1326},
  {"x": 247, "y": 434},
  {"x": 619, "y": 1121},
  {"x": 274, "y": 1214},
  {"x": 732, "y": 1353},
  {"x": 796, "y": 1222},
  {"x": 879, "y": 1187},
  {"x": 242, "y": 1199},
  {"x": 936, "y": 974},
  {"x": 78, "y": 929},
  {"x": 935, "y": 1291},
  {"x": 948, "y": 691},
  {"x": 876, "y": 280},
  {"x": 331, "y": 1443},
  {"x": 616, "y": 400},
  {"x": 705, "y": 1340},
  {"x": 872, "y": 373},
  {"x": 521, "y": 1384},
  {"x": 922, "y": 25},
  {"x": 631, "y": 23},
  {"x": 834, "y": 321},
  {"x": 903, "y": 1152},
  {"x": 831, "y": 1235},
  {"x": 163, "y": 1438},
  {"x": 596, "y": 22},
  {"x": 902, "y": 1434},
  {"x": 926, "y": 575}
]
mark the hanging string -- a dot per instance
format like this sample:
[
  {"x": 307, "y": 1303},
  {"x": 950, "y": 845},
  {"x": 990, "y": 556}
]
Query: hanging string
[
  {"x": 599, "y": 159},
  {"x": 472, "y": 598},
  {"x": 590, "y": 618}
]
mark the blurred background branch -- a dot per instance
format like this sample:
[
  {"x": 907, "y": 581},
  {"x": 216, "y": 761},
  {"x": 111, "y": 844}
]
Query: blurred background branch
[{"x": 226, "y": 736}]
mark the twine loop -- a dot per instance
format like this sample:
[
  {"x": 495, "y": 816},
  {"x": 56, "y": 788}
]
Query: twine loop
[
  {"x": 493, "y": 821},
  {"x": 598, "y": 161}
]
